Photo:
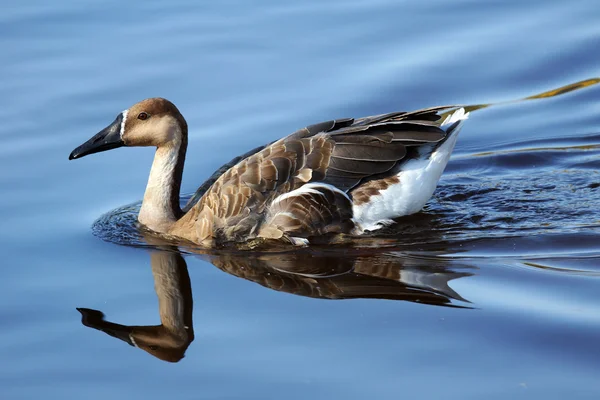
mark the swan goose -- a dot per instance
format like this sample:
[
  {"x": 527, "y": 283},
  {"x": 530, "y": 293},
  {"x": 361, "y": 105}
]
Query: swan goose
[{"x": 345, "y": 176}]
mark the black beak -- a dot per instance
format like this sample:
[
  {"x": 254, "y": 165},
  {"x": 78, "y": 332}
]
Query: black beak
[
  {"x": 107, "y": 139},
  {"x": 95, "y": 319}
]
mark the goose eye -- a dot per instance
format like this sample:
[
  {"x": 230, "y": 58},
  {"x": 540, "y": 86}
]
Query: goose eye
[
  {"x": 153, "y": 347},
  {"x": 143, "y": 116}
]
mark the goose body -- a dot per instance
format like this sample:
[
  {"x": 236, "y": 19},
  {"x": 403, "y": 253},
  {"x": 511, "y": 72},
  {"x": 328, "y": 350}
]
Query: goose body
[{"x": 345, "y": 176}]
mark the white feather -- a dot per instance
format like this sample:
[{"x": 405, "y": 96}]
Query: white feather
[
  {"x": 123, "y": 122},
  {"x": 458, "y": 115},
  {"x": 298, "y": 241},
  {"x": 310, "y": 188},
  {"x": 418, "y": 180}
]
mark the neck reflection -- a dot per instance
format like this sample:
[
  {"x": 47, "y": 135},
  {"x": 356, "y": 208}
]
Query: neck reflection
[{"x": 169, "y": 340}]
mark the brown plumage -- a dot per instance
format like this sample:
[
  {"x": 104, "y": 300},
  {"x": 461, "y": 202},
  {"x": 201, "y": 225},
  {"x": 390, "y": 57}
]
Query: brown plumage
[
  {"x": 302, "y": 185},
  {"x": 383, "y": 275}
]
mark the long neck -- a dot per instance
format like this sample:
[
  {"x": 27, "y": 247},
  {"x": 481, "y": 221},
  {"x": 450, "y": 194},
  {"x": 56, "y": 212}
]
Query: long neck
[
  {"x": 160, "y": 208},
  {"x": 174, "y": 291}
]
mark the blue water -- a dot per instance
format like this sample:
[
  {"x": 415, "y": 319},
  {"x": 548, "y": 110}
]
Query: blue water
[{"x": 510, "y": 239}]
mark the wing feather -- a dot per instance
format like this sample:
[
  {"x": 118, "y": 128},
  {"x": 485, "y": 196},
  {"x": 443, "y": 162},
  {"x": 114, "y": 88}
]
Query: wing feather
[{"x": 337, "y": 155}]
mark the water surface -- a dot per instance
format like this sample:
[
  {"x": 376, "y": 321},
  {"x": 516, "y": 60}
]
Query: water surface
[{"x": 490, "y": 292}]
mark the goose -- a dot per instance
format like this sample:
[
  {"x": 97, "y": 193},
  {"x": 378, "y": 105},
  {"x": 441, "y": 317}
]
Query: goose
[{"x": 345, "y": 176}]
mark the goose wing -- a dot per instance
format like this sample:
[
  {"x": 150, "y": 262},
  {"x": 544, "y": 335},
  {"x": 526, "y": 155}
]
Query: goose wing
[
  {"x": 333, "y": 157},
  {"x": 371, "y": 146}
]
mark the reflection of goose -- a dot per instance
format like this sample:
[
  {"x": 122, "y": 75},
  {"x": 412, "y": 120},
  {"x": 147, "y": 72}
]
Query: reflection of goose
[
  {"x": 334, "y": 276},
  {"x": 328, "y": 276},
  {"x": 343, "y": 176},
  {"x": 169, "y": 340}
]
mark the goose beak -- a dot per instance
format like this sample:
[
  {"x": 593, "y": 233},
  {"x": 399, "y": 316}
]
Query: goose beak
[
  {"x": 107, "y": 139},
  {"x": 95, "y": 319}
]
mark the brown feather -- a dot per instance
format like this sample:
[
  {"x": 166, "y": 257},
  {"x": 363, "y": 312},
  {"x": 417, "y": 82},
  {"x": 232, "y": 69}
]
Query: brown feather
[
  {"x": 371, "y": 151},
  {"x": 358, "y": 157},
  {"x": 310, "y": 212}
]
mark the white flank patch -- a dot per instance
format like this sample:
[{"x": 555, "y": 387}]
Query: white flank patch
[
  {"x": 123, "y": 122},
  {"x": 418, "y": 179}
]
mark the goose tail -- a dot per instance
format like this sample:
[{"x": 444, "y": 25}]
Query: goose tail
[{"x": 454, "y": 121}]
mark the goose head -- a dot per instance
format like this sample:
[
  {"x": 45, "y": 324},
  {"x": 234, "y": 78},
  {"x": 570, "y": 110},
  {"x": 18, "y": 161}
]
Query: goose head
[{"x": 152, "y": 122}]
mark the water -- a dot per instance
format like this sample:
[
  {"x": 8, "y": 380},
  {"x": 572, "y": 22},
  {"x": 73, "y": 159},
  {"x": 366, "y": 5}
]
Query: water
[{"x": 490, "y": 292}]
